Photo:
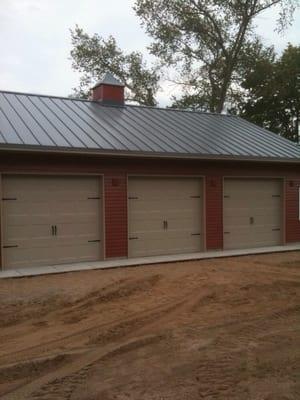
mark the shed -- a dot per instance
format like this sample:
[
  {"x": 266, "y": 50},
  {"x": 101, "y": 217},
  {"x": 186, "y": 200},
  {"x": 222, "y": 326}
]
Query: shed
[{"x": 87, "y": 180}]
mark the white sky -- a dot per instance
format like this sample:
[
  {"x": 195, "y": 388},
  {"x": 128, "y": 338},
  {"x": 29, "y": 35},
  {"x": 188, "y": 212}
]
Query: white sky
[{"x": 35, "y": 40}]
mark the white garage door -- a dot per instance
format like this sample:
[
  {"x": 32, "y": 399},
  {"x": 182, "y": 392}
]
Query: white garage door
[
  {"x": 165, "y": 216},
  {"x": 51, "y": 220},
  {"x": 252, "y": 213}
]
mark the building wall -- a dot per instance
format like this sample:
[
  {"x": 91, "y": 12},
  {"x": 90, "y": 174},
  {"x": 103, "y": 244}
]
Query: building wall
[
  {"x": 214, "y": 214},
  {"x": 115, "y": 192},
  {"x": 116, "y": 172},
  {"x": 292, "y": 223}
]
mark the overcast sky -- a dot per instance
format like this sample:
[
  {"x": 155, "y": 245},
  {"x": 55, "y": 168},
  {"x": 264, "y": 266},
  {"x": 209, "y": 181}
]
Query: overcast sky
[{"x": 35, "y": 39}]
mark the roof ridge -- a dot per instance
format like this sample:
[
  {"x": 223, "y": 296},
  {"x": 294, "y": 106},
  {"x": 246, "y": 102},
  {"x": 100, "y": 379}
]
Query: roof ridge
[{"x": 117, "y": 106}]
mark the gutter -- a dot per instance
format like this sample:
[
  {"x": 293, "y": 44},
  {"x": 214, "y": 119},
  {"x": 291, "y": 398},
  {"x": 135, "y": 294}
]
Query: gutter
[{"x": 147, "y": 155}]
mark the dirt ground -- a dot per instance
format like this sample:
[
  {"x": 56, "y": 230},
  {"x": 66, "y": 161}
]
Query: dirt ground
[{"x": 213, "y": 329}]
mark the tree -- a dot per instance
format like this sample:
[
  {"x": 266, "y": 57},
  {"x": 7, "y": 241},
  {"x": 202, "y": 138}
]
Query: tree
[
  {"x": 273, "y": 94},
  {"x": 207, "y": 41},
  {"x": 93, "y": 56}
]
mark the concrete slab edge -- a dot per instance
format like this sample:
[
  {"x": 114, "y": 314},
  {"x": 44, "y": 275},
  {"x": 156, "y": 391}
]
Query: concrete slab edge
[{"x": 135, "y": 262}]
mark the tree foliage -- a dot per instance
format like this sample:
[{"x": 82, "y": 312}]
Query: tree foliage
[
  {"x": 209, "y": 42},
  {"x": 93, "y": 55},
  {"x": 273, "y": 93}
]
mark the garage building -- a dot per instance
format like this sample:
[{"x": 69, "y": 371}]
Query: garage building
[{"x": 88, "y": 180}]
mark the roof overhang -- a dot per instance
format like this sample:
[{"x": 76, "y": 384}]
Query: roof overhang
[{"x": 139, "y": 154}]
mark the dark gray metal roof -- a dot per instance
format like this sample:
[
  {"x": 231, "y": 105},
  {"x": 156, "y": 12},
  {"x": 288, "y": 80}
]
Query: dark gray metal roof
[
  {"x": 37, "y": 122},
  {"x": 109, "y": 79}
]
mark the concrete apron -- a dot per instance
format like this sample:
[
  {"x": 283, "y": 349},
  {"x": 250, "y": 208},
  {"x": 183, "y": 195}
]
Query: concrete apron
[{"x": 134, "y": 262}]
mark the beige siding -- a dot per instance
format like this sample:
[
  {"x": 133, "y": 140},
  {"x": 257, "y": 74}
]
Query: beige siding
[
  {"x": 178, "y": 202},
  {"x": 33, "y": 204},
  {"x": 252, "y": 213}
]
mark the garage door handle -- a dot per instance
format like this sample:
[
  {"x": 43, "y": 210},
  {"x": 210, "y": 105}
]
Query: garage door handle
[
  {"x": 8, "y": 198},
  {"x": 55, "y": 230},
  {"x": 52, "y": 230}
]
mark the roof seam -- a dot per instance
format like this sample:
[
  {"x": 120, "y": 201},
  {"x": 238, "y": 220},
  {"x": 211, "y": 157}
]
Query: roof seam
[
  {"x": 21, "y": 119},
  {"x": 9, "y": 123},
  {"x": 167, "y": 133},
  {"x": 38, "y": 108},
  {"x": 63, "y": 123},
  {"x": 42, "y": 128},
  {"x": 105, "y": 139},
  {"x": 118, "y": 140},
  {"x": 132, "y": 117},
  {"x": 139, "y": 138},
  {"x": 86, "y": 123},
  {"x": 74, "y": 122}
]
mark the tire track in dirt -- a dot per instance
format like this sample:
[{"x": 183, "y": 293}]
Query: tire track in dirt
[
  {"x": 108, "y": 332},
  {"x": 81, "y": 365},
  {"x": 218, "y": 376},
  {"x": 216, "y": 372},
  {"x": 131, "y": 320},
  {"x": 64, "y": 387},
  {"x": 116, "y": 329},
  {"x": 91, "y": 329}
]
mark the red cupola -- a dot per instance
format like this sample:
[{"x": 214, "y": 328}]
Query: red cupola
[{"x": 109, "y": 91}]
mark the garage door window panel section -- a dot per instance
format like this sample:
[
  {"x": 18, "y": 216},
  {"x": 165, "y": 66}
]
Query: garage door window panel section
[
  {"x": 51, "y": 221},
  {"x": 165, "y": 215},
  {"x": 253, "y": 213}
]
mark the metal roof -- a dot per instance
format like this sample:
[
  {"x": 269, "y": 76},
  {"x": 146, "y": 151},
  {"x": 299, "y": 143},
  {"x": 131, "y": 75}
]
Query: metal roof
[
  {"x": 109, "y": 79},
  {"x": 37, "y": 122}
]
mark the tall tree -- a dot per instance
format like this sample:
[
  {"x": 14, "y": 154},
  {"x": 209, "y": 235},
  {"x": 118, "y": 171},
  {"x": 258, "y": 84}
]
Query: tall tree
[
  {"x": 273, "y": 94},
  {"x": 208, "y": 42},
  {"x": 93, "y": 55}
]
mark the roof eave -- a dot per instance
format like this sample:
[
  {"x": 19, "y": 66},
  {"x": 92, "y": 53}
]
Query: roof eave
[{"x": 140, "y": 154}]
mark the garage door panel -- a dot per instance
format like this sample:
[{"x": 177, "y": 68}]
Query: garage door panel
[
  {"x": 72, "y": 204},
  {"x": 79, "y": 230},
  {"x": 151, "y": 245},
  {"x": 151, "y": 205},
  {"x": 178, "y": 201},
  {"x": 184, "y": 205},
  {"x": 243, "y": 215},
  {"x": 20, "y": 213},
  {"x": 187, "y": 243},
  {"x": 23, "y": 208},
  {"x": 79, "y": 253},
  {"x": 22, "y": 257},
  {"x": 243, "y": 241},
  {"x": 137, "y": 227},
  {"x": 267, "y": 220},
  {"x": 233, "y": 212},
  {"x": 26, "y": 232},
  {"x": 252, "y": 215},
  {"x": 75, "y": 217},
  {"x": 184, "y": 223}
]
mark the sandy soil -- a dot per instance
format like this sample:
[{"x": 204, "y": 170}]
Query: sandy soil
[{"x": 214, "y": 329}]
